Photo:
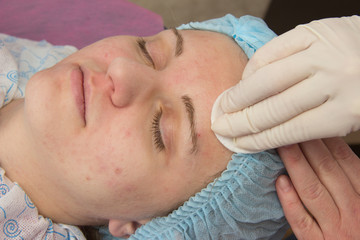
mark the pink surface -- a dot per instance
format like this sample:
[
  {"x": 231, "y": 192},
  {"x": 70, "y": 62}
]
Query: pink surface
[{"x": 76, "y": 22}]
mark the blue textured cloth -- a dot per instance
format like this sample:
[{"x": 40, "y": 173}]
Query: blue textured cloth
[
  {"x": 249, "y": 32},
  {"x": 242, "y": 203}
]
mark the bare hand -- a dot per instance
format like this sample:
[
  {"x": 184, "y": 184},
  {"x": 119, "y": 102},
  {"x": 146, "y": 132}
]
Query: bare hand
[{"x": 322, "y": 199}]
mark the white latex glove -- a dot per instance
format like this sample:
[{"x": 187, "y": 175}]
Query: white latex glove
[{"x": 302, "y": 85}]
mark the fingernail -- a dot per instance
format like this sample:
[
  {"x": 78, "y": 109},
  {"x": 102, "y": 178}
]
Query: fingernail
[{"x": 285, "y": 184}]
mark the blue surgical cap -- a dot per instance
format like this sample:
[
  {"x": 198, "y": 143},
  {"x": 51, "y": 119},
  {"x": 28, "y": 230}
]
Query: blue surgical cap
[
  {"x": 249, "y": 32},
  {"x": 242, "y": 203}
]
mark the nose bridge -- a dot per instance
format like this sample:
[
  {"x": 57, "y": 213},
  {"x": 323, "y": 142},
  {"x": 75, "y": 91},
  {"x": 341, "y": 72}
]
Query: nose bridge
[{"x": 130, "y": 81}]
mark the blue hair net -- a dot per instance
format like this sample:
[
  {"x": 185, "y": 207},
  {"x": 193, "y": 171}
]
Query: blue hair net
[
  {"x": 242, "y": 203},
  {"x": 249, "y": 32}
]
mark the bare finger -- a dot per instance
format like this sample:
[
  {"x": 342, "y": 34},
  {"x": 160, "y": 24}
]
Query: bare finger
[
  {"x": 312, "y": 193},
  {"x": 347, "y": 159},
  {"x": 329, "y": 172},
  {"x": 301, "y": 222}
]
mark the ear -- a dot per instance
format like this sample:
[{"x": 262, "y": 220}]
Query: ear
[{"x": 119, "y": 228}]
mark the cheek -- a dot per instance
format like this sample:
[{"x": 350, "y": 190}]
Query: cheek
[
  {"x": 104, "y": 52},
  {"x": 111, "y": 155}
]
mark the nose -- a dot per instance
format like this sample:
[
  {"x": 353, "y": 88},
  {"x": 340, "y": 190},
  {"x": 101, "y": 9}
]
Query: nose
[{"x": 131, "y": 81}]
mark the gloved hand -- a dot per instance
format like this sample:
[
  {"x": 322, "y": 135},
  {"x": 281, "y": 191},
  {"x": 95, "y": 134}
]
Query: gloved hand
[{"x": 302, "y": 85}]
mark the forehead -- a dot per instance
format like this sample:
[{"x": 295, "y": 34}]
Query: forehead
[
  {"x": 215, "y": 58},
  {"x": 211, "y": 63}
]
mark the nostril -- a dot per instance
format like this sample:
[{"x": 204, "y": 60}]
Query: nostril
[
  {"x": 112, "y": 87},
  {"x": 121, "y": 97}
]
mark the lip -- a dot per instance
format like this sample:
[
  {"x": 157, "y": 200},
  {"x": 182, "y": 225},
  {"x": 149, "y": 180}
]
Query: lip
[{"x": 77, "y": 88}]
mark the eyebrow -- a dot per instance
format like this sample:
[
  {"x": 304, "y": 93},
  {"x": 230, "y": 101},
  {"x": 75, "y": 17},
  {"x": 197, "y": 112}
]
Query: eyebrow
[
  {"x": 190, "y": 110},
  {"x": 179, "y": 42}
]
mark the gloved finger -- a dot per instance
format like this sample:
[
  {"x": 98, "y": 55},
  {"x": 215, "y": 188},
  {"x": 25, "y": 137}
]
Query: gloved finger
[
  {"x": 346, "y": 158},
  {"x": 272, "y": 111},
  {"x": 287, "y": 44},
  {"x": 309, "y": 125},
  {"x": 329, "y": 172},
  {"x": 267, "y": 81},
  {"x": 301, "y": 222},
  {"x": 310, "y": 189}
]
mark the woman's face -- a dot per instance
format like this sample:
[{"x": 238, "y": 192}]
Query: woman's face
[{"x": 122, "y": 127}]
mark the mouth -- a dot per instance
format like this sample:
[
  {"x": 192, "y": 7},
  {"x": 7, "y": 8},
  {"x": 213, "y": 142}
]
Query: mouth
[{"x": 77, "y": 87}]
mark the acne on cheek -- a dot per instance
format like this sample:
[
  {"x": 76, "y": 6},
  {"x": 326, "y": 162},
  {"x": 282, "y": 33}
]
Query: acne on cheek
[
  {"x": 112, "y": 173},
  {"x": 113, "y": 176},
  {"x": 108, "y": 56},
  {"x": 128, "y": 133},
  {"x": 129, "y": 188},
  {"x": 117, "y": 171}
]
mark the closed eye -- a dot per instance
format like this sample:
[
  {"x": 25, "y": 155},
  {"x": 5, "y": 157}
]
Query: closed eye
[
  {"x": 142, "y": 45},
  {"x": 155, "y": 127}
]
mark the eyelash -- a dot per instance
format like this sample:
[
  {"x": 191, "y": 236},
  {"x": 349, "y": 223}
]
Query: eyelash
[
  {"x": 155, "y": 128},
  {"x": 142, "y": 45}
]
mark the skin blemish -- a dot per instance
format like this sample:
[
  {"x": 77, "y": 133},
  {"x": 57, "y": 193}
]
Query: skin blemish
[
  {"x": 128, "y": 133},
  {"x": 110, "y": 183},
  {"x": 118, "y": 171},
  {"x": 88, "y": 178},
  {"x": 130, "y": 188}
]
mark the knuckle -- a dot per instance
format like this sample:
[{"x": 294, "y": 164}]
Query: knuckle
[
  {"x": 230, "y": 124},
  {"x": 230, "y": 100},
  {"x": 250, "y": 121},
  {"x": 342, "y": 151},
  {"x": 303, "y": 223},
  {"x": 290, "y": 156},
  {"x": 313, "y": 191},
  {"x": 307, "y": 33},
  {"x": 326, "y": 164}
]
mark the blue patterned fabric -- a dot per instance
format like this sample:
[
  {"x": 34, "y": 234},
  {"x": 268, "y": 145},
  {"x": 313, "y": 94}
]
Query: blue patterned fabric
[
  {"x": 22, "y": 58},
  {"x": 19, "y": 217}
]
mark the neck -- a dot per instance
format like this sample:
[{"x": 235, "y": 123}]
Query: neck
[
  {"x": 15, "y": 158},
  {"x": 10, "y": 131}
]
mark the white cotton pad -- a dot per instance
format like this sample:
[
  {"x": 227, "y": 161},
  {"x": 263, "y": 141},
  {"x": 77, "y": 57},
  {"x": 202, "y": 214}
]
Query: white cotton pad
[{"x": 228, "y": 142}]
